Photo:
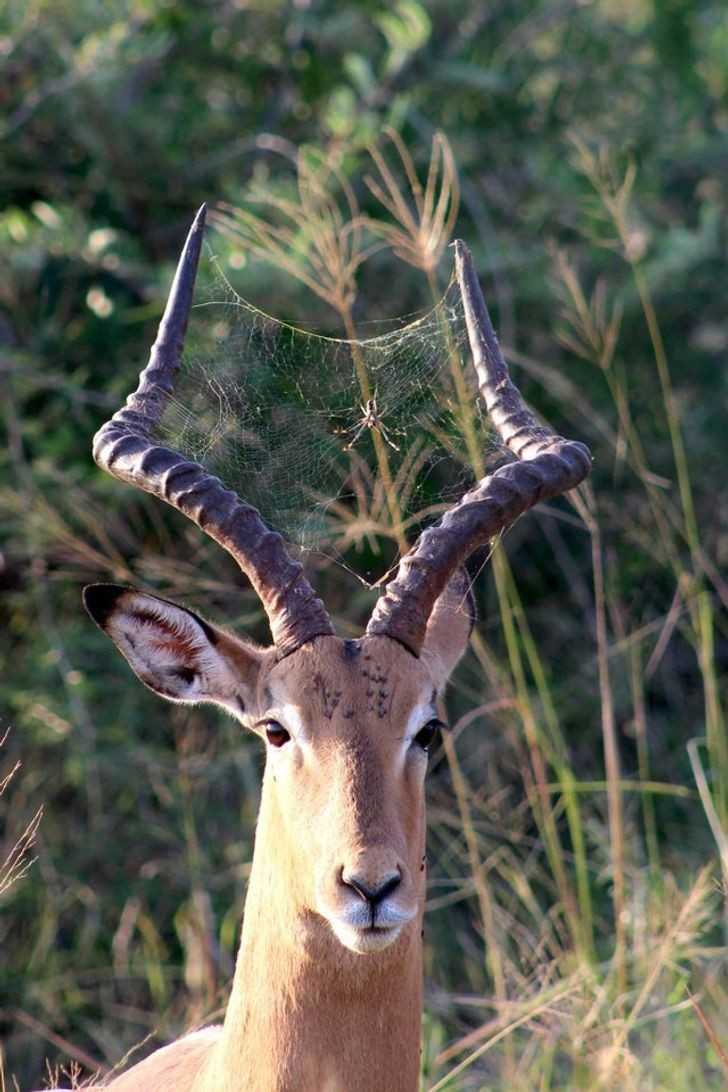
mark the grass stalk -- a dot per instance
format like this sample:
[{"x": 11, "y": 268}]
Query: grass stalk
[
  {"x": 486, "y": 902},
  {"x": 704, "y": 615},
  {"x": 706, "y": 799},
  {"x": 380, "y": 448},
  {"x": 565, "y": 775},
  {"x": 543, "y": 809},
  {"x": 639, "y": 707},
  {"x": 587, "y": 510},
  {"x": 711, "y": 1034}
]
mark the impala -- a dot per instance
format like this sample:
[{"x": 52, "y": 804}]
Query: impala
[{"x": 327, "y": 989}]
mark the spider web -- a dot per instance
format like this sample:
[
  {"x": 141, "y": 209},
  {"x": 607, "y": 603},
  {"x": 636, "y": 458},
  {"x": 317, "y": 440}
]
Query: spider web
[{"x": 281, "y": 416}]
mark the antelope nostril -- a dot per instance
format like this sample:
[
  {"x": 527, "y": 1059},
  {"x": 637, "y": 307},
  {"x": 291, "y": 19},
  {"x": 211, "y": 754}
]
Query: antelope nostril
[{"x": 372, "y": 895}]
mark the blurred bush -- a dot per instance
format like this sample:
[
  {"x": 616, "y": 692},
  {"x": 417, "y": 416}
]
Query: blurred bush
[{"x": 116, "y": 121}]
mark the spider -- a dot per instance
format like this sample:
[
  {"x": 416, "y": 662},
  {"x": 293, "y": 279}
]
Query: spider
[{"x": 370, "y": 419}]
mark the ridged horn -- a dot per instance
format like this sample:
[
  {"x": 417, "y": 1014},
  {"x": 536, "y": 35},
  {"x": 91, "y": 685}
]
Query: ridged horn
[
  {"x": 547, "y": 465},
  {"x": 125, "y": 447}
]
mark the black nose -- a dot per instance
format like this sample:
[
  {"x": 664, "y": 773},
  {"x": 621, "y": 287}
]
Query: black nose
[{"x": 372, "y": 895}]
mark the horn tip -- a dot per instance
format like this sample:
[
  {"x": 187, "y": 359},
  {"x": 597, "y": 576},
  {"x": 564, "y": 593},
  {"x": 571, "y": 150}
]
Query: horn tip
[
  {"x": 463, "y": 258},
  {"x": 193, "y": 244}
]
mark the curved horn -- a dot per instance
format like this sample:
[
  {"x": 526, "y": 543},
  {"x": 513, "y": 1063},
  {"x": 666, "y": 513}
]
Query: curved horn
[
  {"x": 547, "y": 466},
  {"x": 125, "y": 447}
]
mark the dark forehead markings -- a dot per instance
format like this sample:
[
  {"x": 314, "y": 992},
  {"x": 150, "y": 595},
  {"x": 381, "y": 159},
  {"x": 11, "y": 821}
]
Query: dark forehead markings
[
  {"x": 377, "y": 684},
  {"x": 330, "y": 696},
  {"x": 267, "y": 696},
  {"x": 351, "y": 650}
]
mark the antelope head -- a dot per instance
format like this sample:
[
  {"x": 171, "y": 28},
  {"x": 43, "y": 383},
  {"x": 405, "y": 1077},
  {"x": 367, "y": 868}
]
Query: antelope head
[{"x": 346, "y": 723}]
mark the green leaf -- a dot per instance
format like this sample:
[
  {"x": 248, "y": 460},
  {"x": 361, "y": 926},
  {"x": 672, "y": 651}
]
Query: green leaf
[{"x": 407, "y": 28}]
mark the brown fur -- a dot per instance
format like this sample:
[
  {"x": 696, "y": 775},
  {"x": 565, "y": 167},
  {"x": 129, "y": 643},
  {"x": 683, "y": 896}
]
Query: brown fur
[
  {"x": 329, "y": 1018},
  {"x": 308, "y": 1011}
]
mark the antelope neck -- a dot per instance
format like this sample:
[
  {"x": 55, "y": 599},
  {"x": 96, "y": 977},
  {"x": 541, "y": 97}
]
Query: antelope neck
[{"x": 305, "y": 1013}]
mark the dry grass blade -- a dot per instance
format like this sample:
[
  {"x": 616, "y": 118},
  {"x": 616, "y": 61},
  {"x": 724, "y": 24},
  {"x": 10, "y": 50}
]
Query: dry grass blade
[
  {"x": 69, "y": 1049},
  {"x": 706, "y": 799},
  {"x": 17, "y": 863},
  {"x": 689, "y": 921},
  {"x": 424, "y": 218},
  {"x": 532, "y": 1014},
  {"x": 711, "y": 1033}
]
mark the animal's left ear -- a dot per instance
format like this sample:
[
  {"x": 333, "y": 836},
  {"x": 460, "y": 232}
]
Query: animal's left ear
[
  {"x": 173, "y": 651},
  {"x": 449, "y": 628}
]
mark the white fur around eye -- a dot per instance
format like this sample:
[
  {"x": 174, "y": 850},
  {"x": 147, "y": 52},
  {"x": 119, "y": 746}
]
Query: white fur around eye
[{"x": 416, "y": 721}]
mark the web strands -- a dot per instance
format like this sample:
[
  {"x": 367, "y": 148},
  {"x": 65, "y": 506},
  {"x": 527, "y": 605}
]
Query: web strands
[{"x": 287, "y": 418}]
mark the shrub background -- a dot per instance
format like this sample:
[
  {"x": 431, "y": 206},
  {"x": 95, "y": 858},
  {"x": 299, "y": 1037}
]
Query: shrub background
[{"x": 116, "y": 121}]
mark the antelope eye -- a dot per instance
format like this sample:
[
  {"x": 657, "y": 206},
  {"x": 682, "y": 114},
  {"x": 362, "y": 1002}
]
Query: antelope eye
[
  {"x": 428, "y": 734},
  {"x": 276, "y": 734}
]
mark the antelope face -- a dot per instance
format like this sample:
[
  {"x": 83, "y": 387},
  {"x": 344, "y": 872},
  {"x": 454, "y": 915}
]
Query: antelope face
[{"x": 347, "y": 727}]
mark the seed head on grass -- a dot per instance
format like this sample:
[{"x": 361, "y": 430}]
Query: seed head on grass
[
  {"x": 318, "y": 237},
  {"x": 424, "y": 218},
  {"x": 612, "y": 208},
  {"x": 591, "y": 326}
]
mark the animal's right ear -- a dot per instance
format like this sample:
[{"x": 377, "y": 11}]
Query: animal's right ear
[
  {"x": 175, "y": 652},
  {"x": 449, "y": 628}
]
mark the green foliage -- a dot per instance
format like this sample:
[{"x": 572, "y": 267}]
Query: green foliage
[{"x": 569, "y": 918}]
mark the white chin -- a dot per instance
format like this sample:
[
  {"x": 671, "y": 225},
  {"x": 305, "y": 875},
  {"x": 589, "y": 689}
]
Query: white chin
[{"x": 363, "y": 941}]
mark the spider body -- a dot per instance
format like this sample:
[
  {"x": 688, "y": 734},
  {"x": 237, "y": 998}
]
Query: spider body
[{"x": 370, "y": 419}]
